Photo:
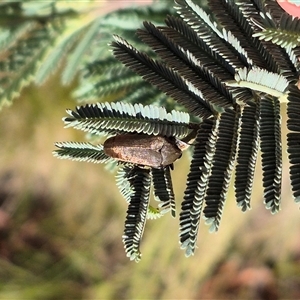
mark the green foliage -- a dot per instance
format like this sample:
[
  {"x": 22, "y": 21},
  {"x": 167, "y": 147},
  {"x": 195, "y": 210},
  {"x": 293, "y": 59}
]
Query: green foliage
[
  {"x": 36, "y": 37},
  {"x": 283, "y": 32},
  {"x": 81, "y": 152},
  {"x": 139, "y": 180},
  {"x": 124, "y": 117},
  {"x": 261, "y": 80},
  {"x": 247, "y": 154},
  {"x": 134, "y": 184},
  {"x": 163, "y": 190},
  {"x": 22, "y": 55}
]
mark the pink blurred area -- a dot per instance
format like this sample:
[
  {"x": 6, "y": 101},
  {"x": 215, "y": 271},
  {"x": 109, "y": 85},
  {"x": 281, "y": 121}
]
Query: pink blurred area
[
  {"x": 108, "y": 6},
  {"x": 290, "y": 7}
]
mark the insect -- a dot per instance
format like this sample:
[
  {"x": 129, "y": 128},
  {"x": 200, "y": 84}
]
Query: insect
[
  {"x": 143, "y": 150},
  {"x": 146, "y": 150}
]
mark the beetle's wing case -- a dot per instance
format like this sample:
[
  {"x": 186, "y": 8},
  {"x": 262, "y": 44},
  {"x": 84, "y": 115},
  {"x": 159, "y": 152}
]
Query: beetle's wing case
[
  {"x": 134, "y": 148},
  {"x": 141, "y": 149}
]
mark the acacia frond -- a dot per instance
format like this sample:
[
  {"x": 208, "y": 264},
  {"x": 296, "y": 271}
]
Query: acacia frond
[
  {"x": 285, "y": 33},
  {"x": 249, "y": 16},
  {"x": 163, "y": 77},
  {"x": 271, "y": 152},
  {"x": 150, "y": 95},
  {"x": 79, "y": 151},
  {"x": 81, "y": 48},
  {"x": 247, "y": 149},
  {"x": 163, "y": 190},
  {"x": 107, "y": 80},
  {"x": 123, "y": 117},
  {"x": 110, "y": 66},
  {"x": 229, "y": 13},
  {"x": 189, "y": 60},
  {"x": 99, "y": 82},
  {"x": 127, "y": 19},
  {"x": 214, "y": 61},
  {"x": 9, "y": 36},
  {"x": 36, "y": 37},
  {"x": 220, "y": 159},
  {"x": 219, "y": 44},
  {"x": 137, "y": 212},
  {"x": 262, "y": 81},
  {"x": 120, "y": 84},
  {"x": 20, "y": 61},
  {"x": 57, "y": 53},
  {"x": 293, "y": 138},
  {"x": 278, "y": 60},
  {"x": 197, "y": 17},
  {"x": 192, "y": 204},
  {"x": 294, "y": 55},
  {"x": 124, "y": 181},
  {"x": 37, "y": 33}
]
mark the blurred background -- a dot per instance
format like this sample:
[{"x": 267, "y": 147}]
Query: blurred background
[{"x": 61, "y": 224}]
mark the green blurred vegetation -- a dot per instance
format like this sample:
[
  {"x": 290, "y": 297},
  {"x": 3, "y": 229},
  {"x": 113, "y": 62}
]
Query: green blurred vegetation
[{"x": 61, "y": 224}]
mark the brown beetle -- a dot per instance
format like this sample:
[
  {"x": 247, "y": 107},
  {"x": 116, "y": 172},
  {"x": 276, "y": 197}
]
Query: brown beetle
[{"x": 141, "y": 149}]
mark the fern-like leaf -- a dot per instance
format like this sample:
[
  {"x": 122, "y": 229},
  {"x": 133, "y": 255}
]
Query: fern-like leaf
[
  {"x": 247, "y": 149},
  {"x": 120, "y": 84},
  {"x": 129, "y": 19},
  {"x": 124, "y": 181},
  {"x": 219, "y": 44},
  {"x": 124, "y": 117},
  {"x": 270, "y": 145},
  {"x": 84, "y": 44},
  {"x": 20, "y": 61},
  {"x": 229, "y": 14},
  {"x": 10, "y": 36},
  {"x": 197, "y": 17},
  {"x": 262, "y": 81},
  {"x": 137, "y": 212},
  {"x": 163, "y": 77},
  {"x": 293, "y": 138},
  {"x": 61, "y": 47},
  {"x": 95, "y": 80},
  {"x": 81, "y": 152},
  {"x": 192, "y": 203},
  {"x": 285, "y": 34},
  {"x": 188, "y": 60},
  {"x": 163, "y": 190},
  {"x": 223, "y": 143},
  {"x": 278, "y": 61},
  {"x": 108, "y": 80}
]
